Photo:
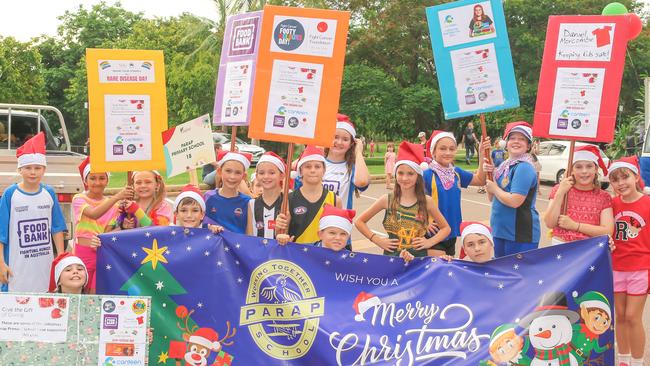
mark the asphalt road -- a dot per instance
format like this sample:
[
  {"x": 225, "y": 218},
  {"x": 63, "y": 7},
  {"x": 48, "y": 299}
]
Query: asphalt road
[{"x": 476, "y": 207}]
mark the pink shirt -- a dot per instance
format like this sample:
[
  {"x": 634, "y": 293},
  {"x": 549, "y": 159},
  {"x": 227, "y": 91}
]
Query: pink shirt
[
  {"x": 86, "y": 227},
  {"x": 583, "y": 207},
  {"x": 390, "y": 162}
]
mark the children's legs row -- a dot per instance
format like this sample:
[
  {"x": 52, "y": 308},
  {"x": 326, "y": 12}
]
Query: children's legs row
[{"x": 630, "y": 332}]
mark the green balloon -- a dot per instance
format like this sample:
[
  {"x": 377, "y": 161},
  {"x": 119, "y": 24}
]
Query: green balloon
[{"x": 615, "y": 9}]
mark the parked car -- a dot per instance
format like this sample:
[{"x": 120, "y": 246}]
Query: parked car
[
  {"x": 242, "y": 145},
  {"x": 554, "y": 157}
]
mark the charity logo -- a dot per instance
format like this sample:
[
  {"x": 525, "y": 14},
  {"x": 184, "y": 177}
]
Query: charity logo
[
  {"x": 147, "y": 65},
  {"x": 322, "y": 27},
  {"x": 449, "y": 19},
  {"x": 118, "y": 150},
  {"x": 281, "y": 111},
  {"x": 293, "y": 122},
  {"x": 289, "y": 34},
  {"x": 242, "y": 41},
  {"x": 576, "y": 123},
  {"x": 119, "y": 139},
  {"x": 108, "y": 361},
  {"x": 33, "y": 232},
  {"x": 139, "y": 307},
  {"x": 104, "y": 65},
  {"x": 278, "y": 121},
  {"x": 111, "y": 321},
  {"x": 108, "y": 306},
  {"x": 282, "y": 310},
  {"x": 130, "y": 149}
]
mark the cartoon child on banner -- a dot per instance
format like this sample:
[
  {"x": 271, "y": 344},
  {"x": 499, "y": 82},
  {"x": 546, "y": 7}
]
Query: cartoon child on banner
[
  {"x": 507, "y": 347},
  {"x": 596, "y": 319},
  {"x": 481, "y": 24},
  {"x": 200, "y": 343}
]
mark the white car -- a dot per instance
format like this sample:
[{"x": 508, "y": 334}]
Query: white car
[
  {"x": 242, "y": 145},
  {"x": 554, "y": 157}
]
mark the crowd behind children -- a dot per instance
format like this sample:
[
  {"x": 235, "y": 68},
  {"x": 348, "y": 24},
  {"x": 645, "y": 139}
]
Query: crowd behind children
[{"x": 421, "y": 212}]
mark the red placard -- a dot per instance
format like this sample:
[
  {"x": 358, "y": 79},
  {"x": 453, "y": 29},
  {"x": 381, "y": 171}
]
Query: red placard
[{"x": 580, "y": 80}]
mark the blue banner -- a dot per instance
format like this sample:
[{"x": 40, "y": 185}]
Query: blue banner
[
  {"x": 470, "y": 46},
  {"x": 231, "y": 299}
]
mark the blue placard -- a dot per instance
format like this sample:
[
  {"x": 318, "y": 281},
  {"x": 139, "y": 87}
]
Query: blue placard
[{"x": 472, "y": 55}]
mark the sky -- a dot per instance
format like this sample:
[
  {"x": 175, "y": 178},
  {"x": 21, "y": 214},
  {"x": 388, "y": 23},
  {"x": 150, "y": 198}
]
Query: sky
[{"x": 21, "y": 21}]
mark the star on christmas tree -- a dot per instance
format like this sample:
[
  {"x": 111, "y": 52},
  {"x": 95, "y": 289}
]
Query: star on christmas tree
[
  {"x": 154, "y": 254},
  {"x": 162, "y": 357}
]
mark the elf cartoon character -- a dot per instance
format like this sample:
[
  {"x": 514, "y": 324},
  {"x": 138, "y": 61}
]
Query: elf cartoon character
[
  {"x": 507, "y": 347},
  {"x": 595, "y": 319}
]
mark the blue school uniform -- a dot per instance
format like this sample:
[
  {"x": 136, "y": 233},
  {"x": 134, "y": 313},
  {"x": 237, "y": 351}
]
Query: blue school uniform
[
  {"x": 229, "y": 212},
  {"x": 448, "y": 201}
]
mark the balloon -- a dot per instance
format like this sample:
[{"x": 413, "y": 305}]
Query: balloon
[
  {"x": 614, "y": 9},
  {"x": 636, "y": 25}
]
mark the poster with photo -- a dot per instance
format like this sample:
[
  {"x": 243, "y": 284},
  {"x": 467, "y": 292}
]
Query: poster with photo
[
  {"x": 472, "y": 56},
  {"x": 128, "y": 127},
  {"x": 123, "y": 331},
  {"x": 234, "y": 89}
]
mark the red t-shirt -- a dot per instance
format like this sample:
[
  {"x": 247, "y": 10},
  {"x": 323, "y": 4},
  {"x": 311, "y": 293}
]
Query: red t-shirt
[
  {"x": 583, "y": 207},
  {"x": 631, "y": 234}
]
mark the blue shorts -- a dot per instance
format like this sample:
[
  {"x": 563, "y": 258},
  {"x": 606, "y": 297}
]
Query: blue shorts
[{"x": 503, "y": 247}]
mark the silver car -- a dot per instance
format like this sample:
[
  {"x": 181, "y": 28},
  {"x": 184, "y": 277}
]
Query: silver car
[{"x": 242, "y": 145}]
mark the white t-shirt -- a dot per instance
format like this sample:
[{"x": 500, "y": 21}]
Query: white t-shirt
[{"x": 338, "y": 180}]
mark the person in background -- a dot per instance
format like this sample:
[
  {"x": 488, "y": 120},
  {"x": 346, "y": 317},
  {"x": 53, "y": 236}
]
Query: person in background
[
  {"x": 389, "y": 164},
  {"x": 211, "y": 167},
  {"x": 469, "y": 139},
  {"x": 422, "y": 137}
]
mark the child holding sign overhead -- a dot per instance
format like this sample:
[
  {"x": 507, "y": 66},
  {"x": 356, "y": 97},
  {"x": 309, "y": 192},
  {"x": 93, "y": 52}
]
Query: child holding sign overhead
[
  {"x": 150, "y": 206},
  {"x": 408, "y": 209}
]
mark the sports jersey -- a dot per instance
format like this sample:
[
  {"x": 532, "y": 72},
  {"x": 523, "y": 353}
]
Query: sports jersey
[
  {"x": 519, "y": 224},
  {"x": 305, "y": 215},
  {"x": 229, "y": 212},
  {"x": 404, "y": 224},
  {"x": 448, "y": 200},
  {"x": 85, "y": 227},
  {"x": 263, "y": 216},
  {"x": 27, "y": 222},
  {"x": 338, "y": 180},
  {"x": 631, "y": 234}
]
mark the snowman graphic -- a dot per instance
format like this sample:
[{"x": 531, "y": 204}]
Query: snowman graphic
[{"x": 550, "y": 331}]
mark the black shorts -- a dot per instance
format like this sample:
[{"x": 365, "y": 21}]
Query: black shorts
[{"x": 448, "y": 246}]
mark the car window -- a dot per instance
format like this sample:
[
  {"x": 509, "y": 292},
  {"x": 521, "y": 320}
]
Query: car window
[
  {"x": 544, "y": 149},
  {"x": 218, "y": 138},
  {"x": 556, "y": 149},
  {"x": 22, "y": 129}
]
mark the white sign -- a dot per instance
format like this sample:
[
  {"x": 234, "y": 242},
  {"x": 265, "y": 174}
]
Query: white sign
[
  {"x": 33, "y": 318},
  {"x": 123, "y": 331},
  {"x": 469, "y": 23},
  {"x": 585, "y": 42},
  {"x": 236, "y": 91},
  {"x": 127, "y": 127},
  {"x": 476, "y": 75},
  {"x": 126, "y": 71},
  {"x": 303, "y": 36},
  {"x": 293, "y": 99},
  {"x": 188, "y": 146},
  {"x": 576, "y": 101}
]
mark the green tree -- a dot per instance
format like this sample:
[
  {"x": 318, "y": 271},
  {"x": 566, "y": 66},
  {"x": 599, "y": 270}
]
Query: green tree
[{"x": 21, "y": 73}]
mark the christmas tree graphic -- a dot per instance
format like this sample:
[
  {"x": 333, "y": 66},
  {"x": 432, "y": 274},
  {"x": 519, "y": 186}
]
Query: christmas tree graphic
[{"x": 153, "y": 279}]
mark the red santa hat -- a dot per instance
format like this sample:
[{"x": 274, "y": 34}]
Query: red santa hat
[
  {"x": 32, "y": 152},
  {"x": 190, "y": 191},
  {"x": 472, "y": 227},
  {"x": 363, "y": 303},
  {"x": 207, "y": 338},
  {"x": 243, "y": 158},
  {"x": 343, "y": 122},
  {"x": 311, "y": 153},
  {"x": 411, "y": 155},
  {"x": 590, "y": 153},
  {"x": 629, "y": 162},
  {"x": 522, "y": 127},
  {"x": 336, "y": 217},
  {"x": 273, "y": 158},
  {"x": 435, "y": 137},
  {"x": 58, "y": 265}
]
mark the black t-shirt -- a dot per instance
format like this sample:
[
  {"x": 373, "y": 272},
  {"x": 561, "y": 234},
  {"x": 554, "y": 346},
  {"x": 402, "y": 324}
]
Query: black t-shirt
[{"x": 469, "y": 135}]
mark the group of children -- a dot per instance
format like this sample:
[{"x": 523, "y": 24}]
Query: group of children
[{"x": 422, "y": 211}]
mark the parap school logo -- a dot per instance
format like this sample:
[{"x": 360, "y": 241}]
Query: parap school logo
[
  {"x": 282, "y": 310},
  {"x": 289, "y": 34}
]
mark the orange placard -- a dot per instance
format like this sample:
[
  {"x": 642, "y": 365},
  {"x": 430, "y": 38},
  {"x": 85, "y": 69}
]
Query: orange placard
[{"x": 299, "y": 73}]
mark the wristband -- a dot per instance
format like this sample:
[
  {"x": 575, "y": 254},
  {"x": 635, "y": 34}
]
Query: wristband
[{"x": 372, "y": 236}]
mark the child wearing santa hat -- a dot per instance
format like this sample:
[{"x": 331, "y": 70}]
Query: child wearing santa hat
[
  {"x": 306, "y": 203},
  {"x": 189, "y": 209},
  {"x": 408, "y": 210},
  {"x": 513, "y": 192},
  {"x": 264, "y": 210},
  {"x": 589, "y": 208},
  {"x": 443, "y": 182},
  {"x": 30, "y": 220},
  {"x": 630, "y": 259},
  {"x": 477, "y": 241},
  {"x": 92, "y": 214},
  {"x": 68, "y": 275},
  {"x": 227, "y": 206}
]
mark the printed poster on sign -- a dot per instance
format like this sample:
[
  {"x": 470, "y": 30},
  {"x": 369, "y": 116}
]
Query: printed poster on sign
[
  {"x": 576, "y": 102},
  {"x": 188, "y": 146},
  {"x": 472, "y": 55},
  {"x": 580, "y": 78},
  {"x": 123, "y": 331},
  {"x": 237, "y": 69},
  {"x": 294, "y": 98},
  {"x": 300, "y": 68},
  {"x": 128, "y": 127},
  {"x": 467, "y": 23},
  {"x": 33, "y": 318},
  {"x": 126, "y": 71},
  {"x": 481, "y": 86}
]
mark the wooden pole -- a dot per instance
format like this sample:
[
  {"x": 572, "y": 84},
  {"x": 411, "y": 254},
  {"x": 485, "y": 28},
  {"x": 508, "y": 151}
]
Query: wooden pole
[
  {"x": 194, "y": 177},
  {"x": 567, "y": 173},
  {"x": 486, "y": 153},
  {"x": 233, "y": 138},
  {"x": 284, "y": 208}
]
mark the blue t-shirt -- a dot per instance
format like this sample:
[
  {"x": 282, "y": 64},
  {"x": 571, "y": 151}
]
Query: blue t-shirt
[
  {"x": 231, "y": 213},
  {"x": 498, "y": 157},
  {"x": 519, "y": 224},
  {"x": 448, "y": 200}
]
